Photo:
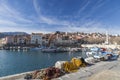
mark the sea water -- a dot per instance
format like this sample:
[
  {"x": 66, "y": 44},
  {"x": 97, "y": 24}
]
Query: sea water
[{"x": 13, "y": 62}]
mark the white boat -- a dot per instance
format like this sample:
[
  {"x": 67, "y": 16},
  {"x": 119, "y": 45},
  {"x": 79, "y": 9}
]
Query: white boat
[
  {"x": 100, "y": 54},
  {"x": 48, "y": 50},
  {"x": 54, "y": 50},
  {"x": 36, "y": 48}
]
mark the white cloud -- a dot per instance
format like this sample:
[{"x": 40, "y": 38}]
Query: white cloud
[
  {"x": 11, "y": 29},
  {"x": 25, "y": 29},
  {"x": 47, "y": 20},
  {"x": 84, "y": 6},
  {"x": 94, "y": 26},
  {"x": 42, "y": 19},
  {"x": 66, "y": 25},
  {"x": 9, "y": 13},
  {"x": 91, "y": 9},
  {"x": 7, "y": 22},
  {"x": 11, "y": 19}
]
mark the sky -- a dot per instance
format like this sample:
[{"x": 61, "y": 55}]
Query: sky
[{"x": 60, "y": 15}]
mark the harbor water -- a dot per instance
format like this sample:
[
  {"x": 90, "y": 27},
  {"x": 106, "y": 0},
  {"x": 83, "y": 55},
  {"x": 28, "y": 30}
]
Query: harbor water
[{"x": 13, "y": 62}]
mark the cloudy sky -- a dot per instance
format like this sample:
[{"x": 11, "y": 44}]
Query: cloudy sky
[{"x": 60, "y": 15}]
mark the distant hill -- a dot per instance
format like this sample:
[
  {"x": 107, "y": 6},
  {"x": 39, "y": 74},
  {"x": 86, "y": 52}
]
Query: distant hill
[{"x": 3, "y": 34}]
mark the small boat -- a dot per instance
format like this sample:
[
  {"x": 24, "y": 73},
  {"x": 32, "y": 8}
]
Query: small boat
[
  {"x": 54, "y": 50},
  {"x": 48, "y": 50},
  {"x": 36, "y": 48},
  {"x": 101, "y": 54}
]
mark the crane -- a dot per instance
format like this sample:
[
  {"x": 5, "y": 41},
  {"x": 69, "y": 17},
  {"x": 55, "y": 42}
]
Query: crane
[{"x": 52, "y": 37}]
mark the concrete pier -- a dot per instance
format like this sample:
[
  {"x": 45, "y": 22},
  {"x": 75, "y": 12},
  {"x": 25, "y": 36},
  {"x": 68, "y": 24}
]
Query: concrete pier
[
  {"x": 99, "y": 71},
  {"x": 19, "y": 76}
]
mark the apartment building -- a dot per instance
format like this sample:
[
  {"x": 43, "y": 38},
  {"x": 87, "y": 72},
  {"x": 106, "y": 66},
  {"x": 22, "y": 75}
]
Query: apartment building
[{"x": 36, "y": 38}]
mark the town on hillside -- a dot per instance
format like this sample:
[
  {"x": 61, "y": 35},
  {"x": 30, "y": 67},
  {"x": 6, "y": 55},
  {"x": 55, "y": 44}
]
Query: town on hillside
[{"x": 56, "y": 39}]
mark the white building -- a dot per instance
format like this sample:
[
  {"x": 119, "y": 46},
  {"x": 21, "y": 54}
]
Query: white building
[
  {"x": 36, "y": 38},
  {"x": 6, "y": 40}
]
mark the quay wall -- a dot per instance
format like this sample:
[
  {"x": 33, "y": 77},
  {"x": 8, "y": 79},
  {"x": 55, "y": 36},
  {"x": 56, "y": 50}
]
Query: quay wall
[
  {"x": 19, "y": 76},
  {"x": 101, "y": 45}
]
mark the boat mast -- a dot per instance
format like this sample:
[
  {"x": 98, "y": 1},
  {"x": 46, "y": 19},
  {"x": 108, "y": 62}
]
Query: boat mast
[{"x": 107, "y": 37}]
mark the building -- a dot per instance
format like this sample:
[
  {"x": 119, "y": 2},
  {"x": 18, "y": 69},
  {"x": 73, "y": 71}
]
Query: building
[
  {"x": 15, "y": 40},
  {"x": 7, "y": 40},
  {"x": 36, "y": 38},
  {"x": 22, "y": 40}
]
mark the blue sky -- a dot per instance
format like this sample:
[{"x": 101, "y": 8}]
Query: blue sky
[{"x": 60, "y": 15}]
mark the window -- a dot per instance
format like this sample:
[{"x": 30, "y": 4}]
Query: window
[{"x": 32, "y": 40}]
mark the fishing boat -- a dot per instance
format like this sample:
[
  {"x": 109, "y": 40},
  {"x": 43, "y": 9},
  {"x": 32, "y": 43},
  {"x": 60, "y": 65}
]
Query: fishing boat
[
  {"x": 54, "y": 50},
  {"x": 49, "y": 50},
  {"x": 101, "y": 54}
]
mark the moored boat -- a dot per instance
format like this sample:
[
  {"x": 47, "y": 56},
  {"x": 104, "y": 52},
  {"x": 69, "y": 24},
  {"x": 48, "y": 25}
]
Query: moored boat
[{"x": 101, "y": 54}]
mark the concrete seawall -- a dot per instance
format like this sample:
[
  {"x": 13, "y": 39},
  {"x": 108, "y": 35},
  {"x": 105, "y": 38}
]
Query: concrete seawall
[{"x": 19, "y": 76}]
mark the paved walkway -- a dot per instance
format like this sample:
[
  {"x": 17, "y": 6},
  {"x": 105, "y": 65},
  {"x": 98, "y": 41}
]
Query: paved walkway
[{"x": 105, "y": 70}]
